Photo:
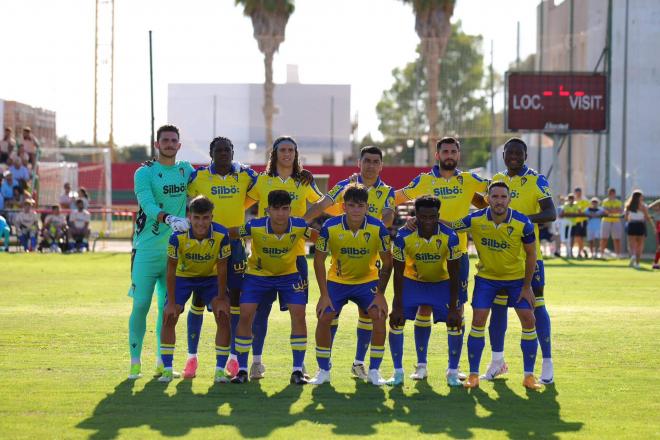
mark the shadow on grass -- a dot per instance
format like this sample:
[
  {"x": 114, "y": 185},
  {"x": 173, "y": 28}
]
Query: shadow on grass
[{"x": 254, "y": 413}]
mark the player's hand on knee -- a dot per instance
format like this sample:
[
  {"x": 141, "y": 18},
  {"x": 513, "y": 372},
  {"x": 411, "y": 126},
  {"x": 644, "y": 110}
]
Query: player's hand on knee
[
  {"x": 171, "y": 314},
  {"x": 379, "y": 306},
  {"x": 322, "y": 305},
  {"x": 220, "y": 306},
  {"x": 178, "y": 224},
  {"x": 528, "y": 294}
]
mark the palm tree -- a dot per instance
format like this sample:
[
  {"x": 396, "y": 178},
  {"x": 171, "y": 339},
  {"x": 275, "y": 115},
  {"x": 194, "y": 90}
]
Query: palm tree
[
  {"x": 269, "y": 19},
  {"x": 433, "y": 27}
]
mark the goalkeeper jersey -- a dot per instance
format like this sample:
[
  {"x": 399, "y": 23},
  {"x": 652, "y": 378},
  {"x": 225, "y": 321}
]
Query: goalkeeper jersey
[{"x": 158, "y": 188}]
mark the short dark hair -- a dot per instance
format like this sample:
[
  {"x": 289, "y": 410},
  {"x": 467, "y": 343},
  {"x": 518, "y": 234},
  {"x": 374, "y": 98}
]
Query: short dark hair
[
  {"x": 356, "y": 192},
  {"x": 217, "y": 141},
  {"x": 427, "y": 202},
  {"x": 200, "y": 205},
  {"x": 498, "y": 184},
  {"x": 370, "y": 149},
  {"x": 169, "y": 128},
  {"x": 515, "y": 140},
  {"x": 611, "y": 190},
  {"x": 448, "y": 140},
  {"x": 278, "y": 198},
  {"x": 54, "y": 207}
]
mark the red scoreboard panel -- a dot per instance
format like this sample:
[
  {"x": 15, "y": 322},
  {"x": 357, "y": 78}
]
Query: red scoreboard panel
[{"x": 556, "y": 102}]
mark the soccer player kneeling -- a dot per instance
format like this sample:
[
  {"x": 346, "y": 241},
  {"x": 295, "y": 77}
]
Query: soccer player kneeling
[
  {"x": 355, "y": 240},
  {"x": 500, "y": 234},
  {"x": 197, "y": 262},
  {"x": 426, "y": 280},
  {"x": 272, "y": 271}
]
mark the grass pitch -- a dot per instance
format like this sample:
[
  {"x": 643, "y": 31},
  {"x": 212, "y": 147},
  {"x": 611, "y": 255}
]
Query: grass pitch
[{"x": 63, "y": 333}]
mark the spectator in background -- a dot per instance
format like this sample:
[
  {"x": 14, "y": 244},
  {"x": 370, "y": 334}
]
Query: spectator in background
[
  {"x": 79, "y": 227},
  {"x": 655, "y": 213},
  {"x": 18, "y": 153},
  {"x": 27, "y": 226},
  {"x": 7, "y": 187},
  {"x": 569, "y": 212},
  {"x": 612, "y": 226},
  {"x": 84, "y": 196},
  {"x": 636, "y": 216},
  {"x": 594, "y": 214},
  {"x": 68, "y": 197},
  {"x": 4, "y": 233},
  {"x": 30, "y": 145},
  {"x": 7, "y": 145},
  {"x": 580, "y": 225},
  {"x": 55, "y": 229},
  {"x": 19, "y": 170}
]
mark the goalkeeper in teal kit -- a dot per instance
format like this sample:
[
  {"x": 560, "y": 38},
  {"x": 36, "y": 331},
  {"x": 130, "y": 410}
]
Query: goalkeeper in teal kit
[{"x": 160, "y": 188}]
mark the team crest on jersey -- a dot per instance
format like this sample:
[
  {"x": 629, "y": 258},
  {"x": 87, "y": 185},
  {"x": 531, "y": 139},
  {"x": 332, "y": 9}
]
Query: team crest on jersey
[
  {"x": 160, "y": 175},
  {"x": 264, "y": 238},
  {"x": 523, "y": 181},
  {"x": 438, "y": 243},
  {"x": 367, "y": 236},
  {"x": 235, "y": 176},
  {"x": 460, "y": 179},
  {"x": 292, "y": 238},
  {"x": 509, "y": 230},
  {"x": 182, "y": 171},
  {"x": 212, "y": 242},
  {"x": 379, "y": 194},
  {"x": 340, "y": 236},
  {"x": 188, "y": 245}
]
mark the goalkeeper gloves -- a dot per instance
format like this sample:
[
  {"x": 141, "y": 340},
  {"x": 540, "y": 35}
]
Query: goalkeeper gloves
[{"x": 178, "y": 224}]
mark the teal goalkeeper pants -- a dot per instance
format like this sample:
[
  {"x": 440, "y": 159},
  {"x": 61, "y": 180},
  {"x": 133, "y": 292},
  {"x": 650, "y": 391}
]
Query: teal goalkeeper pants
[{"x": 148, "y": 272}]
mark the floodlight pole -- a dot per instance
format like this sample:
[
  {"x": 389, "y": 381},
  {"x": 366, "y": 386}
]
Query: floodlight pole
[
  {"x": 554, "y": 172},
  {"x": 151, "y": 82}
]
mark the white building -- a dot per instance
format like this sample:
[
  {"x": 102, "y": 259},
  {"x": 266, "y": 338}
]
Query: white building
[
  {"x": 317, "y": 116},
  {"x": 588, "y": 41}
]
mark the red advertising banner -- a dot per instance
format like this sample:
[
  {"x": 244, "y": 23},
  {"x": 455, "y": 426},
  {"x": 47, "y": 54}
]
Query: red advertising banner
[{"x": 556, "y": 102}]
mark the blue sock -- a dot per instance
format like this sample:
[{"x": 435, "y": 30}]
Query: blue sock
[
  {"x": 475, "y": 345},
  {"x": 33, "y": 242},
  {"x": 422, "y": 335},
  {"x": 455, "y": 345},
  {"x": 195, "y": 320},
  {"x": 529, "y": 345},
  {"x": 167, "y": 354},
  {"x": 24, "y": 241},
  {"x": 243, "y": 346},
  {"x": 298, "y": 347},
  {"x": 396, "y": 346},
  {"x": 543, "y": 327},
  {"x": 235, "y": 313},
  {"x": 221, "y": 355},
  {"x": 323, "y": 357},
  {"x": 498, "y": 323},
  {"x": 376, "y": 356},
  {"x": 364, "y": 329},
  {"x": 334, "y": 325},
  {"x": 260, "y": 328}
]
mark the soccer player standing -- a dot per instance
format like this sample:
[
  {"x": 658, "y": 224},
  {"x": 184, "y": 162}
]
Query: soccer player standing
[
  {"x": 160, "y": 188},
  {"x": 426, "y": 280},
  {"x": 355, "y": 241},
  {"x": 226, "y": 183},
  {"x": 380, "y": 205},
  {"x": 272, "y": 271},
  {"x": 197, "y": 262},
  {"x": 283, "y": 171},
  {"x": 457, "y": 190},
  {"x": 500, "y": 235},
  {"x": 531, "y": 196},
  {"x": 612, "y": 225}
]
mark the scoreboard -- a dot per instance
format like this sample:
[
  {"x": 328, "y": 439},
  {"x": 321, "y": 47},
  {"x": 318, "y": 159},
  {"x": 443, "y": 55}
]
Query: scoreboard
[{"x": 556, "y": 102}]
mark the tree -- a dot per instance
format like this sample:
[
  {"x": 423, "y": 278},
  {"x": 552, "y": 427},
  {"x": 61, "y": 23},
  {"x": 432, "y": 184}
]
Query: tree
[
  {"x": 434, "y": 29},
  {"x": 269, "y": 19},
  {"x": 462, "y": 99}
]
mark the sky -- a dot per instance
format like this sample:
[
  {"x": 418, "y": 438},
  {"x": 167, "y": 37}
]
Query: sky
[{"x": 48, "y": 52}]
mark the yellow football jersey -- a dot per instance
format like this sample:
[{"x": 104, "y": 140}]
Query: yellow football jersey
[
  {"x": 500, "y": 247},
  {"x": 199, "y": 258},
  {"x": 612, "y": 204},
  {"x": 227, "y": 192},
  {"x": 571, "y": 209},
  {"x": 582, "y": 204},
  {"x": 354, "y": 255},
  {"x": 527, "y": 189},
  {"x": 272, "y": 254},
  {"x": 300, "y": 195},
  {"x": 426, "y": 259},
  {"x": 455, "y": 194},
  {"x": 381, "y": 197}
]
